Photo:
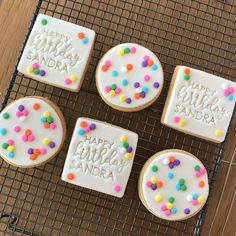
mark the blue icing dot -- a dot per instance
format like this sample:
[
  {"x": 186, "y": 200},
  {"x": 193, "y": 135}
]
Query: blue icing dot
[
  {"x": 170, "y": 175},
  {"x": 195, "y": 196},
  {"x": 80, "y": 132},
  {"x": 174, "y": 210},
  {"x": 145, "y": 89},
  {"x": 10, "y": 154},
  {"x": 43, "y": 119},
  {"x": 114, "y": 73},
  {"x": 177, "y": 186},
  {"x": 124, "y": 82},
  {"x": 84, "y": 40},
  {"x": 3, "y": 131},
  {"x": 154, "y": 67},
  {"x": 230, "y": 97}
]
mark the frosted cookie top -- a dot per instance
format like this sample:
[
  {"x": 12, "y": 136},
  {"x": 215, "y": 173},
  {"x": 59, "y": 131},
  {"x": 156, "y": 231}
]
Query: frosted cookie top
[
  {"x": 129, "y": 77},
  {"x": 100, "y": 157},
  {"x": 32, "y": 131},
  {"x": 174, "y": 185},
  {"x": 200, "y": 104},
  {"x": 57, "y": 52}
]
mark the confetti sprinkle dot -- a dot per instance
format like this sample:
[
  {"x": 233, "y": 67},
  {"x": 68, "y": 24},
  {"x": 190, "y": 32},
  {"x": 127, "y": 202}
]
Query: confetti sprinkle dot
[
  {"x": 36, "y": 106},
  {"x": 186, "y": 211},
  {"x": 186, "y": 74},
  {"x": 158, "y": 198},
  {"x": 3, "y": 131},
  {"x": 35, "y": 69},
  {"x": 6, "y": 115},
  {"x": 218, "y": 133},
  {"x": 44, "y": 21},
  {"x": 85, "y": 127},
  {"x": 154, "y": 168},
  {"x": 70, "y": 176},
  {"x": 117, "y": 187}
]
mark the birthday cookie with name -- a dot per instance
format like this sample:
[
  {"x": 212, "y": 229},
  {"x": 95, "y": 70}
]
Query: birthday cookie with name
[
  {"x": 57, "y": 53},
  {"x": 173, "y": 185},
  {"x": 200, "y": 104},
  {"x": 100, "y": 157},
  {"x": 32, "y": 131},
  {"x": 129, "y": 77}
]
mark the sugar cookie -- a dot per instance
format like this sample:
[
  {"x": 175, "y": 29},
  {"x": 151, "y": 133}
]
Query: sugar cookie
[
  {"x": 100, "y": 157},
  {"x": 129, "y": 77},
  {"x": 32, "y": 131},
  {"x": 173, "y": 185},
  {"x": 57, "y": 53}
]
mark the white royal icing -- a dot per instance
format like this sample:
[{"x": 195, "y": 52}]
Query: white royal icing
[
  {"x": 136, "y": 74},
  {"x": 203, "y": 103},
  {"x": 58, "y": 50},
  {"x": 96, "y": 159},
  {"x": 32, "y": 122},
  {"x": 182, "y": 199}
]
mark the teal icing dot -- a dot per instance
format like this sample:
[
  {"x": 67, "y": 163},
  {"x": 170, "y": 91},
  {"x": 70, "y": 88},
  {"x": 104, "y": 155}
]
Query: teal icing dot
[
  {"x": 195, "y": 196},
  {"x": 114, "y": 73},
  {"x": 230, "y": 97},
  {"x": 170, "y": 175},
  {"x": 84, "y": 40},
  {"x": 80, "y": 132},
  {"x": 174, "y": 210},
  {"x": 145, "y": 89},
  {"x": 124, "y": 82},
  {"x": 43, "y": 119},
  {"x": 3, "y": 131},
  {"x": 10, "y": 154},
  {"x": 154, "y": 67},
  {"x": 177, "y": 186}
]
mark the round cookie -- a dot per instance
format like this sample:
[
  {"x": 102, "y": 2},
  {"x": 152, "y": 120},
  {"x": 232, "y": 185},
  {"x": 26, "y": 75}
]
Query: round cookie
[
  {"x": 32, "y": 131},
  {"x": 129, "y": 77},
  {"x": 173, "y": 185}
]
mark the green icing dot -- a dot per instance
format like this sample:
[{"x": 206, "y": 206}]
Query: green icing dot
[
  {"x": 6, "y": 115},
  {"x": 197, "y": 167},
  {"x": 154, "y": 168},
  {"x": 181, "y": 181},
  {"x": 183, "y": 187},
  {"x": 126, "y": 50},
  {"x": 113, "y": 86},
  {"x": 36, "y": 71},
  {"x": 4, "y": 145},
  {"x": 125, "y": 144},
  {"x": 171, "y": 199},
  {"x": 50, "y": 119},
  {"x": 186, "y": 77},
  {"x": 44, "y": 21}
]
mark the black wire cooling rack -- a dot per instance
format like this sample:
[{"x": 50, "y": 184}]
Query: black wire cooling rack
[{"x": 198, "y": 34}]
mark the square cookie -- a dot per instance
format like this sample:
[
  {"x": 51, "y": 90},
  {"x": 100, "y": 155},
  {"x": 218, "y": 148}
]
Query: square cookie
[
  {"x": 199, "y": 104},
  {"x": 100, "y": 157},
  {"x": 57, "y": 53}
]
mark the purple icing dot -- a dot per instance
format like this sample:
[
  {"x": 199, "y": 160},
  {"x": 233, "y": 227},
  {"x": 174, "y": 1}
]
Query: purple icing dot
[
  {"x": 156, "y": 85},
  {"x": 21, "y": 108},
  {"x": 92, "y": 126},
  {"x": 52, "y": 144},
  {"x": 42, "y": 72},
  {"x": 142, "y": 94},
  {"x": 154, "y": 187},
  {"x": 171, "y": 165},
  {"x": 177, "y": 162},
  {"x": 136, "y": 84},
  {"x": 144, "y": 63},
  {"x": 30, "y": 151},
  {"x": 128, "y": 100},
  {"x": 129, "y": 149},
  {"x": 186, "y": 211}
]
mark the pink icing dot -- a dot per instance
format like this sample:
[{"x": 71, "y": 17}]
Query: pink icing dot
[
  {"x": 133, "y": 50},
  {"x": 107, "y": 88},
  {"x": 67, "y": 81},
  {"x": 43, "y": 151},
  {"x": 18, "y": 113},
  {"x": 203, "y": 171},
  {"x": 176, "y": 119},
  {"x": 25, "y": 112},
  {"x": 53, "y": 125},
  {"x": 163, "y": 207},
  {"x": 31, "y": 137},
  {"x": 227, "y": 92},
  {"x": 146, "y": 77},
  {"x": 231, "y": 89},
  {"x": 17, "y": 128},
  {"x": 24, "y": 138},
  {"x": 149, "y": 183},
  {"x": 117, "y": 187},
  {"x": 118, "y": 90},
  {"x": 194, "y": 202},
  {"x": 167, "y": 212},
  {"x": 86, "y": 129},
  {"x": 36, "y": 65},
  {"x": 197, "y": 174},
  {"x": 10, "y": 142},
  {"x": 146, "y": 58},
  {"x": 108, "y": 63}
]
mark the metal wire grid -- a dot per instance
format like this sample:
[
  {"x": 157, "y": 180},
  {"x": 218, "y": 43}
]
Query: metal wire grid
[{"x": 192, "y": 33}]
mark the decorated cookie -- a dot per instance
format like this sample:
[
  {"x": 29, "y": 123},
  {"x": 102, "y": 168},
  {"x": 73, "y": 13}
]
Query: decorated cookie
[
  {"x": 57, "y": 53},
  {"x": 129, "y": 77},
  {"x": 200, "y": 104},
  {"x": 173, "y": 185},
  {"x": 100, "y": 157},
  {"x": 32, "y": 131}
]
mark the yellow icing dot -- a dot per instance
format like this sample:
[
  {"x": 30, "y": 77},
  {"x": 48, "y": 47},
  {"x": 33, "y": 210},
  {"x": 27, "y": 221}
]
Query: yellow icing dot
[
  {"x": 46, "y": 114},
  {"x": 169, "y": 205},
  {"x": 30, "y": 69},
  {"x": 158, "y": 198},
  {"x": 112, "y": 93},
  {"x": 218, "y": 132},
  {"x": 10, "y": 148},
  {"x": 128, "y": 155},
  {"x": 200, "y": 199},
  {"x": 182, "y": 122},
  {"x": 46, "y": 141},
  {"x": 123, "y": 138},
  {"x": 120, "y": 52},
  {"x": 73, "y": 78},
  {"x": 154, "y": 180},
  {"x": 122, "y": 98}
]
